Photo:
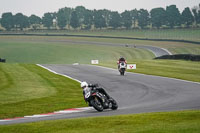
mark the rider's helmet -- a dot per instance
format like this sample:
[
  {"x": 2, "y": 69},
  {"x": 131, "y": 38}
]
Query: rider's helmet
[
  {"x": 84, "y": 84},
  {"x": 121, "y": 58}
]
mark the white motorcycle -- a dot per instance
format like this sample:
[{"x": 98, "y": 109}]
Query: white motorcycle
[{"x": 122, "y": 68}]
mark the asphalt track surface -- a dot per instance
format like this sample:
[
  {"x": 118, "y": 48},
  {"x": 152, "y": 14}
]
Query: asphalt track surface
[{"x": 134, "y": 93}]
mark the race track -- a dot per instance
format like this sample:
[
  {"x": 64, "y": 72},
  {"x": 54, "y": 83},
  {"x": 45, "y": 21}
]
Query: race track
[{"x": 135, "y": 93}]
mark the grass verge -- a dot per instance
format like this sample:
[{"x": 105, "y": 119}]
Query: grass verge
[
  {"x": 186, "y": 70},
  {"x": 15, "y": 45},
  {"x": 166, "y": 122},
  {"x": 65, "y": 52},
  {"x": 27, "y": 89}
]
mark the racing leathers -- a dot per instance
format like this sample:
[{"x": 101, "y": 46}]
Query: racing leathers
[
  {"x": 121, "y": 60},
  {"x": 99, "y": 89}
]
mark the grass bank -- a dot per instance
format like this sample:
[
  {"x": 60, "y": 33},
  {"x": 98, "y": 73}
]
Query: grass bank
[
  {"x": 50, "y": 52},
  {"x": 28, "y": 86},
  {"x": 166, "y": 122},
  {"x": 27, "y": 89},
  {"x": 30, "y": 44},
  {"x": 186, "y": 70}
]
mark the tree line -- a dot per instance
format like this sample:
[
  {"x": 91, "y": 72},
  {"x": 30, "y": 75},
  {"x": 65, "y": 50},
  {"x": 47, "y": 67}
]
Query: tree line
[{"x": 82, "y": 18}]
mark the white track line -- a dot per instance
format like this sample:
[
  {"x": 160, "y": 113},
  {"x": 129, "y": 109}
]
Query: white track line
[
  {"x": 116, "y": 70},
  {"x": 84, "y": 108},
  {"x": 58, "y": 73},
  {"x": 167, "y": 51},
  {"x": 74, "y": 110}
]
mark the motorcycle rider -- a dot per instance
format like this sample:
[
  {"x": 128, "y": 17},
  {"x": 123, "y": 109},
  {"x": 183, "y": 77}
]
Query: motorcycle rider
[
  {"x": 85, "y": 85},
  {"x": 121, "y": 59}
]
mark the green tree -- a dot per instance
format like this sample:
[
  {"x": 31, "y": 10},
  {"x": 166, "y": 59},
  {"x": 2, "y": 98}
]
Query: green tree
[
  {"x": 198, "y": 17},
  {"x": 88, "y": 19},
  {"x": 187, "y": 17},
  {"x": 80, "y": 11},
  {"x": 173, "y": 16},
  {"x": 126, "y": 19},
  {"x": 47, "y": 20},
  {"x": 158, "y": 16},
  {"x": 106, "y": 15},
  {"x": 61, "y": 18},
  {"x": 99, "y": 19},
  {"x": 134, "y": 15},
  {"x": 143, "y": 18},
  {"x": 67, "y": 14},
  {"x": 35, "y": 21},
  {"x": 115, "y": 20},
  {"x": 196, "y": 12},
  {"x": 7, "y": 21},
  {"x": 74, "y": 22},
  {"x": 21, "y": 21}
]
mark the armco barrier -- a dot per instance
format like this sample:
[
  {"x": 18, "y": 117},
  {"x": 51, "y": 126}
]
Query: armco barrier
[
  {"x": 190, "y": 57},
  {"x": 3, "y": 60}
]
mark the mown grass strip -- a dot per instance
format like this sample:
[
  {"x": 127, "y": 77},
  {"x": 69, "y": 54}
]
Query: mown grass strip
[
  {"x": 186, "y": 70},
  {"x": 166, "y": 122},
  {"x": 60, "y": 53},
  {"x": 185, "y": 50},
  {"x": 12, "y": 47},
  {"x": 29, "y": 89}
]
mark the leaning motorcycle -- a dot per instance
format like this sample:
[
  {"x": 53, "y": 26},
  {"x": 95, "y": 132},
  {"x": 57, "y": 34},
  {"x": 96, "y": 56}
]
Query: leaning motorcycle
[
  {"x": 122, "y": 68},
  {"x": 99, "y": 101}
]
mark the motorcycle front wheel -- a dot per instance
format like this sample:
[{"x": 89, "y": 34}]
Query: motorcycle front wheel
[
  {"x": 122, "y": 71},
  {"x": 114, "y": 104}
]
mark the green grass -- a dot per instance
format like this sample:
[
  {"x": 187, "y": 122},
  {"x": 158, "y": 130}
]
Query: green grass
[
  {"x": 186, "y": 70},
  {"x": 20, "y": 84},
  {"x": 180, "y": 69},
  {"x": 185, "y": 50},
  {"x": 64, "y": 53},
  {"x": 166, "y": 122},
  {"x": 43, "y": 49},
  {"x": 27, "y": 89}
]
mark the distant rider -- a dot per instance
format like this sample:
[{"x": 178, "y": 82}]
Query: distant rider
[
  {"x": 121, "y": 59},
  {"x": 85, "y": 85}
]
